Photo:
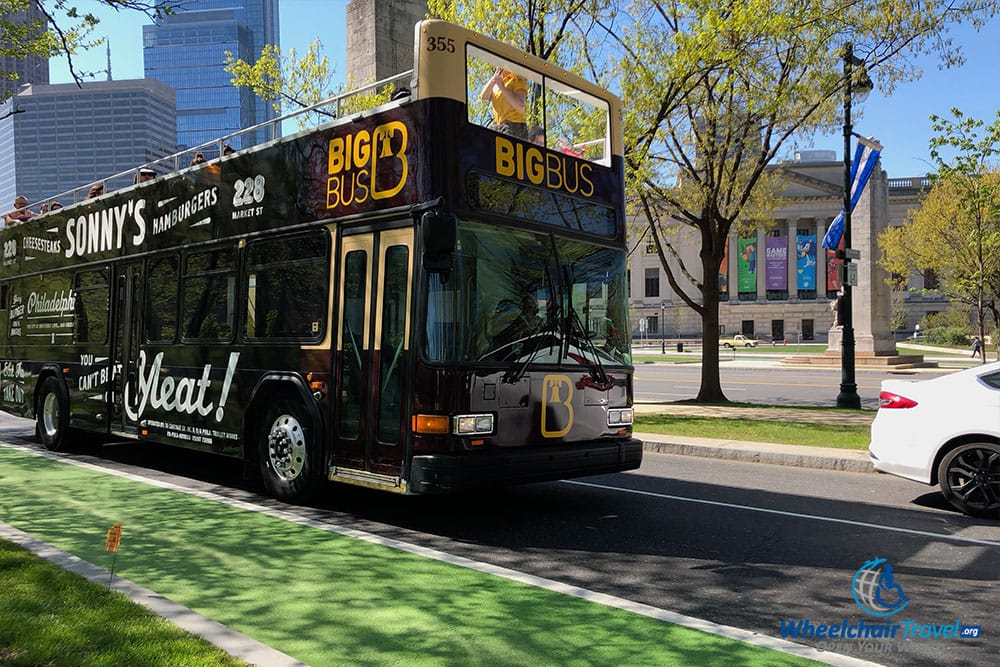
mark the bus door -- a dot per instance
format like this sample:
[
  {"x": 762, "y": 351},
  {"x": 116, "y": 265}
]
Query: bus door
[
  {"x": 373, "y": 351},
  {"x": 125, "y": 346}
]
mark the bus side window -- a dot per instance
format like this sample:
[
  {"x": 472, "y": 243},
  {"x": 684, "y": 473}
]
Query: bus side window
[
  {"x": 286, "y": 287},
  {"x": 4, "y": 290},
  {"x": 209, "y": 295},
  {"x": 91, "y": 307},
  {"x": 161, "y": 306}
]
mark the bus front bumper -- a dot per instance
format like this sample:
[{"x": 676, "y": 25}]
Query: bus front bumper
[{"x": 449, "y": 473}]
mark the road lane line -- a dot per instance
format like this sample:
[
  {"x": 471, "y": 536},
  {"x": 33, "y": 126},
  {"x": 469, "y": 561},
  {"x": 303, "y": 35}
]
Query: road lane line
[{"x": 796, "y": 515}]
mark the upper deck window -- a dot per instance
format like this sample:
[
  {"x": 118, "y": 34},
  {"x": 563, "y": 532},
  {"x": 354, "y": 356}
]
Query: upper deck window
[{"x": 532, "y": 106}]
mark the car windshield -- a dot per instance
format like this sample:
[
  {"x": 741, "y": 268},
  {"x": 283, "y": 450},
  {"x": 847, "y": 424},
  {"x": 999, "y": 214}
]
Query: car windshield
[{"x": 521, "y": 297}]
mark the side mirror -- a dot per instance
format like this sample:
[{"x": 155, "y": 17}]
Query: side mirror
[{"x": 439, "y": 233}]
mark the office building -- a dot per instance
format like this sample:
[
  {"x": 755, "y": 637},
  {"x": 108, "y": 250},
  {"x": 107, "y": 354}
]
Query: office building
[
  {"x": 67, "y": 137},
  {"x": 778, "y": 283},
  {"x": 31, "y": 69},
  {"x": 186, "y": 50}
]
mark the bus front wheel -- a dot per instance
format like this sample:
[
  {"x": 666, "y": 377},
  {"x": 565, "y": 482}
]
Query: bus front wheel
[
  {"x": 288, "y": 452},
  {"x": 52, "y": 416}
]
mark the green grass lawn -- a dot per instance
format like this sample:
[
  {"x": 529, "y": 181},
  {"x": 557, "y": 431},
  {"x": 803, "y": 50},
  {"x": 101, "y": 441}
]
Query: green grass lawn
[
  {"x": 49, "y": 616},
  {"x": 757, "y": 430}
]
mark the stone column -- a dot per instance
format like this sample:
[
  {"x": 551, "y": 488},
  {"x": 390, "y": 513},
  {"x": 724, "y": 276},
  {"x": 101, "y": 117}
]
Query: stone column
[
  {"x": 380, "y": 38},
  {"x": 793, "y": 258},
  {"x": 872, "y": 295},
  {"x": 761, "y": 265}
]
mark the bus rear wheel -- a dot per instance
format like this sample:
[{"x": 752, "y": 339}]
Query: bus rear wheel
[
  {"x": 288, "y": 452},
  {"x": 52, "y": 415}
]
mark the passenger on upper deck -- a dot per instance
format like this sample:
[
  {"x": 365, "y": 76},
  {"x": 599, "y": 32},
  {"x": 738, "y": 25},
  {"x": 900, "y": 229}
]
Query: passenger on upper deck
[
  {"x": 20, "y": 213},
  {"x": 96, "y": 190},
  {"x": 507, "y": 93},
  {"x": 536, "y": 135},
  {"x": 144, "y": 175},
  {"x": 197, "y": 159}
]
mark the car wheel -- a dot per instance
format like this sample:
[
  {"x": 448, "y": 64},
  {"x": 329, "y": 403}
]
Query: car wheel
[
  {"x": 52, "y": 415},
  {"x": 288, "y": 451},
  {"x": 970, "y": 479},
  {"x": 747, "y": 345}
]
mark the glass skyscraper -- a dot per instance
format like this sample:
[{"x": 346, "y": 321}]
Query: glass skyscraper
[
  {"x": 186, "y": 50},
  {"x": 30, "y": 69}
]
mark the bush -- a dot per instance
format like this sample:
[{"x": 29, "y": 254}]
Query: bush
[{"x": 949, "y": 335}]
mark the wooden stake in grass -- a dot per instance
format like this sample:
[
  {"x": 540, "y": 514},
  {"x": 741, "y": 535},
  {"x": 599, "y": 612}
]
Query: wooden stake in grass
[{"x": 111, "y": 543}]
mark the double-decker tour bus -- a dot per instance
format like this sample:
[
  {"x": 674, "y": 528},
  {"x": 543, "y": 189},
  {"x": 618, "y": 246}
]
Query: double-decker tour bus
[{"x": 401, "y": 297}]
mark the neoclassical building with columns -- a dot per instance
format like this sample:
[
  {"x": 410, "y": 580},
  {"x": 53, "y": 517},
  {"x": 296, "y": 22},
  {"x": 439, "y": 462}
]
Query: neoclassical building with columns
[{"x": 780, "y": 284}]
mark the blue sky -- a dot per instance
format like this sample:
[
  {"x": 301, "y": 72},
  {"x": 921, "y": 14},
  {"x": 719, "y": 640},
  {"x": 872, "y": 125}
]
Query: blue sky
[{"x": 901, "y": 122}]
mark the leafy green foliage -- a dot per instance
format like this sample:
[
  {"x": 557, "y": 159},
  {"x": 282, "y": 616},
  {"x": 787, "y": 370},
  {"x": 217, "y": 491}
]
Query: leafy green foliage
[
  {"x": 956, "y": 231},
  {"x": 302, "y": 82},
  {"x": 64, "y": 30},
  {"x": 714, "y": 95}
]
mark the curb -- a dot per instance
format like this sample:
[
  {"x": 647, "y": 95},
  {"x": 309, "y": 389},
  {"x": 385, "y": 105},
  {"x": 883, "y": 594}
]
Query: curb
[
  {"x": 231, "y": 641},
  {"x": 798, "y": 456}
]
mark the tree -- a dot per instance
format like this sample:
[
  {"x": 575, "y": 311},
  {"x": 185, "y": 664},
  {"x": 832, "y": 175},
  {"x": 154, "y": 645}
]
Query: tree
[
  {"x": 716, "y": 92},
  {"x": 62, "y": 29},
  {"x": 956, "y": 230},
  {"x": 304, "y": 82}
]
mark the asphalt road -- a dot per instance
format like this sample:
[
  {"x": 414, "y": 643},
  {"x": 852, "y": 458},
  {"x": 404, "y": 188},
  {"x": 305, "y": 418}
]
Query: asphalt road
[
  {"x": 766, "y": 385},
  {"x": 747, "y": 545}
]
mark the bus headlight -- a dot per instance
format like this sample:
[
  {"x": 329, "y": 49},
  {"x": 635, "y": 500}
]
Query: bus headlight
[
  {"x": 620, "y": 417},
  {"x": 473, "y": 424}
]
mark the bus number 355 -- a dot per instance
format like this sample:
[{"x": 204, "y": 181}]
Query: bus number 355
[{"x": 249, "y": 191}]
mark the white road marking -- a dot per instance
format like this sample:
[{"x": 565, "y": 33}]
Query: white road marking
[{"x": 796, "y": 515}]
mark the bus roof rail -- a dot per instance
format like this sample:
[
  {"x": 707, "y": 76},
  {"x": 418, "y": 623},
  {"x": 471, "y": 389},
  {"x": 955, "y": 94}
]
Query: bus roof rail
[{"x": 328, "y": 110}]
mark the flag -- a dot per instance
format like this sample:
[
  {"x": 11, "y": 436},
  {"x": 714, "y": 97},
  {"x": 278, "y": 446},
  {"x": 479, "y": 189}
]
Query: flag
[{"x": 862, "y": 166}]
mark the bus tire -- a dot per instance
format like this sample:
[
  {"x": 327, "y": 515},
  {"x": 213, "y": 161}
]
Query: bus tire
[
  {"x": 288, "y": 451},
  {"x": 52, "y": 415}
]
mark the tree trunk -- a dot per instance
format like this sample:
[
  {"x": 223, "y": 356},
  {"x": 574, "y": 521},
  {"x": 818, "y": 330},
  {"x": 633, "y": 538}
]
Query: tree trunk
[{"x": 711, "y": 384}]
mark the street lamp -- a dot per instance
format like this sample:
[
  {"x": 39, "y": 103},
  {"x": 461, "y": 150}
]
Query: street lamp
[{"x": 848, "y": 396}]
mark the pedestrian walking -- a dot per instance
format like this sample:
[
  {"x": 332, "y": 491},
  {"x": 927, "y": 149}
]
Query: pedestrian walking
[{"x": 977, "y": 347}]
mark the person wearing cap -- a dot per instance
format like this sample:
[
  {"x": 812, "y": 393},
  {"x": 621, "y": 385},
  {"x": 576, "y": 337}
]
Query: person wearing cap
[{"x": 144, "y": 175}]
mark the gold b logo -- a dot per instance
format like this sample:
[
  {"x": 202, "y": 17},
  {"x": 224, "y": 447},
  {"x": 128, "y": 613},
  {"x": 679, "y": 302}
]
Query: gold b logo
[{"x": 557, "y": 394}]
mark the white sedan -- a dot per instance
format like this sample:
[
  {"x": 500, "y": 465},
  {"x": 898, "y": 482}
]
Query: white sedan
[{"x": 944, "y": 431}]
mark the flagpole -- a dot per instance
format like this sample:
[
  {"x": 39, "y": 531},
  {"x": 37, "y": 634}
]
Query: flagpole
[{"x": 848, "y": 396}]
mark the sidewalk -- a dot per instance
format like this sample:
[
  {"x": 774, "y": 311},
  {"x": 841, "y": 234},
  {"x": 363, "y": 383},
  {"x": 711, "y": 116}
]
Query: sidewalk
[{"x": 801, "y": 456}]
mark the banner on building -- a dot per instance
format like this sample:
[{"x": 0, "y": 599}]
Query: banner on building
[
  {"x": 776, "y": 263},
  {"x": 746, "y": 274},
  {"x": 724, "y": 273},
  {"x": 805, "y": 262}
]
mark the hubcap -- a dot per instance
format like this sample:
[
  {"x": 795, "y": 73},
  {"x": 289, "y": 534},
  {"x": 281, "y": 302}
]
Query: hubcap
[
  {"x": 286, "y": 447},
  {"x": 50, "y": 415},
  {"x": 974, "y": 477}
]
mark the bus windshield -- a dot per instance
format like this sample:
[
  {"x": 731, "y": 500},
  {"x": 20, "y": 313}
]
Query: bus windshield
[{"x": 523, "y": 297}]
